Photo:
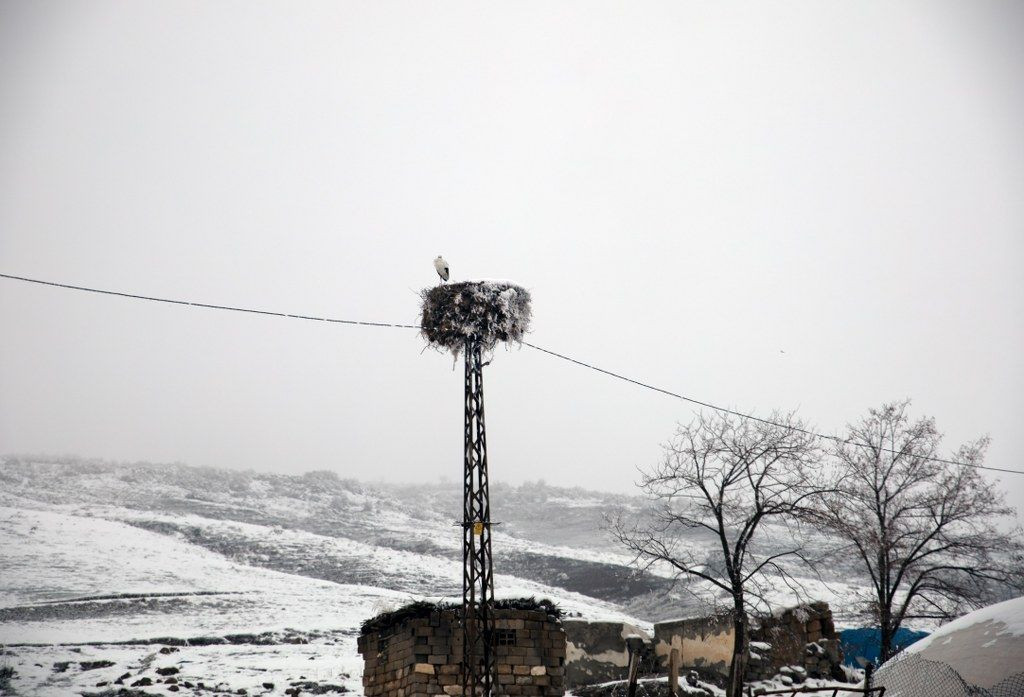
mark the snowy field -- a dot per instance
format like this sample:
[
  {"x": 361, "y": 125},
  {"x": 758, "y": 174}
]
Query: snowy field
[
  {"x": 240, "y": 580},
  {"x": 63, "y": 568},
  {"x": 76, "y": 589}
]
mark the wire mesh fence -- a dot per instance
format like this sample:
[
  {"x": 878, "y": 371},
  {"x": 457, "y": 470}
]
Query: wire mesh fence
[
  {"x": 910, "y": 675},
  {"x": 1012, "y": 686}
]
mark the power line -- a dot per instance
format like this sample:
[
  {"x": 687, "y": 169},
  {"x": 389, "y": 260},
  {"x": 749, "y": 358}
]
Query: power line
[
  {"x": 170, "y": 301},
  {"x": 725, "y": 410},
  {"x": 708, "y": 405}
]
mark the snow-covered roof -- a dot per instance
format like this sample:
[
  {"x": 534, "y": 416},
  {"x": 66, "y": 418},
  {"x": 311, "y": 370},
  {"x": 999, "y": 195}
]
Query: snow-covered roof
[
  {"x": 984, "y": 646},
  {"x": 1007, "y": 618}
]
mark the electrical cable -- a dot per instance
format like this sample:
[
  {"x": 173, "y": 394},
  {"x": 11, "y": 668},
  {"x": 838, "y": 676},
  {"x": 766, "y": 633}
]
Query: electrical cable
[{"x": 708, "y": 405}]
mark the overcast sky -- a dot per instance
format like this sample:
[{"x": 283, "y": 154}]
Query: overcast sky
[{"x": 804, "y": 205}]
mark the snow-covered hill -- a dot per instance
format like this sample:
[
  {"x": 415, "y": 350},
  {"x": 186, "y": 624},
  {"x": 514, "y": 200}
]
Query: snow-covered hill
[
  {"x": 267, "y": 577},
  {"x": 552, "y": 536}
]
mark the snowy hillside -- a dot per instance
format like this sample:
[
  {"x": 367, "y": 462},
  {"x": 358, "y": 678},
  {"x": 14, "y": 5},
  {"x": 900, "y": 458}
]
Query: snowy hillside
[
  {"x": 552, "y": 536},
  {"x": 266, "y": 577}
]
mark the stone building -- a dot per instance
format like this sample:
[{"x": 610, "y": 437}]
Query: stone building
[
  {"x": 419, "y": 652},
  {"x": 597, "y": 651},
  {"x": 803, "y": 636},
  {"x": 703, "y": 642}
]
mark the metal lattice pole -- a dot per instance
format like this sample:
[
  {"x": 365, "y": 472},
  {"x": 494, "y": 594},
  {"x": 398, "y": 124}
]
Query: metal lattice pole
[{"x": 478, "y": 667}]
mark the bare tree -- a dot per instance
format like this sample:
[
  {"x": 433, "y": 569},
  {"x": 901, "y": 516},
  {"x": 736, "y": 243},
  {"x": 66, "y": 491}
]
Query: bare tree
[
  {"x": 727, "y": 477},
  {"x": 925, "y": 532}
]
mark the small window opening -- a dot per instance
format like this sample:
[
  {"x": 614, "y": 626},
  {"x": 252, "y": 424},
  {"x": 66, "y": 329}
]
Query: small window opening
[{"x": 505, "y": 637}]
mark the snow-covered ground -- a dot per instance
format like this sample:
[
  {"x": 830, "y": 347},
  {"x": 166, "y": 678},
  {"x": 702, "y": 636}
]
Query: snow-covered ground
[
  {"x": 75, "y": 587},
  {"x": 54, "y": 563},
  {"x": 266, "y": 578}
]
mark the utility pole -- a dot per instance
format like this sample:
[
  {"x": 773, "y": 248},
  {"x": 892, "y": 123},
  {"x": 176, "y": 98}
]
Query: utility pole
[
  {"x": 471, "y": 318},
  {"x": 478, "y": 667}
]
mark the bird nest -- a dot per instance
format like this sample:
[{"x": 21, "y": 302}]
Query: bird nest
[{"x": 486, "y": 311}]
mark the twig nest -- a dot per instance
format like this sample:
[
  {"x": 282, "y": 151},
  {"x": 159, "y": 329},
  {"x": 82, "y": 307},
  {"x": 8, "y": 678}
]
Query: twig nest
[{"x": 490, "y": 311}]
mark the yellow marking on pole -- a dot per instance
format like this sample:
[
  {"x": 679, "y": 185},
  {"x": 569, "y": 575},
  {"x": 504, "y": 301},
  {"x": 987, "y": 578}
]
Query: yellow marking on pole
[{"x": 478, "y": 528}]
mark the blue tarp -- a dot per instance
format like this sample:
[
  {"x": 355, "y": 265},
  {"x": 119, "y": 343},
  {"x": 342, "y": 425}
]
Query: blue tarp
[{"x": 865, "y": 643}]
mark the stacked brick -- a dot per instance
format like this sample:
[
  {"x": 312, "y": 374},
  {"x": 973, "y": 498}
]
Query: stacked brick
[
  {"x": 820, "y": 625},
  {"x": 761, "y": 663},
  {"x": 800, "y": 641},
  {"x": 824, "y": 659},
  {"x": 791, "y": 631},
  {"x": 423, "y": 656}
]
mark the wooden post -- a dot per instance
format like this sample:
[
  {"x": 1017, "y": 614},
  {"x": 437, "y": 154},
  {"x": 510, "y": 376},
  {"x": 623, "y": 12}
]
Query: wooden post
[
  {"x": 868, "y": 670},
  {"x": 634, "y": 669},
  {"x": 673, "y": 673}
]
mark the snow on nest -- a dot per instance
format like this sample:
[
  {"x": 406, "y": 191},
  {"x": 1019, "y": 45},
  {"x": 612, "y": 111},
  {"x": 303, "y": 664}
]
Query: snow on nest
[{"x": 490, "y": 311}]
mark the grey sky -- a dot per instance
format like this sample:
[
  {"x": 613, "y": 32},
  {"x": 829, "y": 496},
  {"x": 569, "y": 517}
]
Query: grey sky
[{"x": 688, "y": 189}]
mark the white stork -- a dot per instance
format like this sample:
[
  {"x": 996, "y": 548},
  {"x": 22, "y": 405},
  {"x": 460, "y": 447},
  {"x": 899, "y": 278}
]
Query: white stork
[{"x": 442, "y": 267}]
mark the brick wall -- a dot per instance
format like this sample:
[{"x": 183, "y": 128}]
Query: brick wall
[{"x": 423, "y": 656}]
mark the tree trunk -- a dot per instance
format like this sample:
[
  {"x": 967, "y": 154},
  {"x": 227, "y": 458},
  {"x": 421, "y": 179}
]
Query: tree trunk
[
  {"x": 887, "y": 634},
  {"x": 738, "y": 667}
]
